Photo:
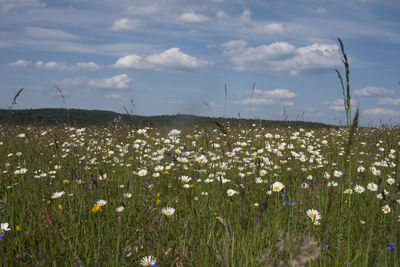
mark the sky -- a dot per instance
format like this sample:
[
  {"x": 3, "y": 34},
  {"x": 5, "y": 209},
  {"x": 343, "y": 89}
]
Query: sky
[{"x": 262, "y": 59}]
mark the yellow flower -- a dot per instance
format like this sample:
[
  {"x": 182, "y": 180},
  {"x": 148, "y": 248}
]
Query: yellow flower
[
  {"x": 60, "y": 206},
  {"x": 65, "y": 181},
  {"x": 18, "y": 228},
  {"x": 158, "y": 201},
  {"x": 95, "y": 208}
]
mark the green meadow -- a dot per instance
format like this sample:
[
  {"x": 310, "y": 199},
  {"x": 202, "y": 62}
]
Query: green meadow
[{"x": 220, "y": 195}]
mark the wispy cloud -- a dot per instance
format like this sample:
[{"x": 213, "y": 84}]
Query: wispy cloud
[
  {"x": 113, "y": 96},
  {"x": 287, "y": 103},
  {"x": 382, "y": 112},
  {"x": 264, "y": 29},
  {"x": 72, "y": 82},
  {"x": 319, "y": 11},
  {"x": 125, "y": 24},
  {"x": 372, "y": 91},
  {"x": 255, "y": 101},
  {"x": 389, "y": 101},
  {"x": 45, "y": 33},
  {"x": 142, "y": 10},
  {"x": 10, "y": 5}
]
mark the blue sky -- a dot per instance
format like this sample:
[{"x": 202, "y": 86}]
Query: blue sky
[{"x": 175, "y": 56}]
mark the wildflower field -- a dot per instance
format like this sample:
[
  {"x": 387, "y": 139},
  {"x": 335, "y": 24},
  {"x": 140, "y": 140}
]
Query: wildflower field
[{"x": 218, "y": 195}]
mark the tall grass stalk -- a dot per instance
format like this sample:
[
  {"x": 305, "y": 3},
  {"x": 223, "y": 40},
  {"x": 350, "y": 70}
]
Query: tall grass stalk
[
  {"x": 64, "y": 102},
  {"x": 346, "y": 92}
]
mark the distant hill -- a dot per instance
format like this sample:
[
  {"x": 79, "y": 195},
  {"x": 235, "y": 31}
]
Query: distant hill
[{"x": 82, "y": 117}]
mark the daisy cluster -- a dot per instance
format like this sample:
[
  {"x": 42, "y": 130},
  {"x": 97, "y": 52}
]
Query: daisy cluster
[{"x": 112, "y": 168}]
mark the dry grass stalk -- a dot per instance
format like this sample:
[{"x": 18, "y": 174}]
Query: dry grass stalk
[{"x": 305, "y": 248}]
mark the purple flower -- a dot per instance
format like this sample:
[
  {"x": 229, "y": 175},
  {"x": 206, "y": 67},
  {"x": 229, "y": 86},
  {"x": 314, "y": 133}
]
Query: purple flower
[
  {"x": 292, "y": 202},
  {"x": 391, "y": 246},
  {"x": 2, "y": 235}
]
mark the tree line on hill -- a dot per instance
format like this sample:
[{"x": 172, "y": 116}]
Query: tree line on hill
[{"x": 82, "y": 117}]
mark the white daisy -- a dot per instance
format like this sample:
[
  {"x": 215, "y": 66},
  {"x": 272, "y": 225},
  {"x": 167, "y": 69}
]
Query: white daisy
[
  {"x": 168, "y": 211},
  {"x": 148, "y": 260}
]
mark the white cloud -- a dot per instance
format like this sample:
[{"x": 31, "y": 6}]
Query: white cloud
[
  {"x": 338, "y": 104},
  {"x": 119, "y": 81},
  {"x": 372, "y": 91},
  {"x": 319, "y": 11},
  {"x": 64, "y": 67},
  {"x": 52, "y": 65},
  {"x": 44, "y": 33},
  {"x": 113, "y": 96},
  {"x": 61, "y": 66},
  {"x": 72, "y": 82},
  {"x": 89, "y": 66},
  {"x": 125, "y": 24},
  {"x": 9, "y": 5},
  {"x": 389, "y": 101},
  {"x": 172, "y": 59},
  {"x": 276, "y": 93},
  {"x": 141, "y": 10},
  {"x": 382, "y": 112},
  {"x": 194, "y": 17},
  {"x": 222, "y": 15},
  {"x": 20, "y": 63},
  {"x": 282, "y": 56},
  {"x": 264, "y": 29},
  {"x": 234, "y": 44},
  {"x": 255, "y": 101},
  {"x": 246, "y": 16}
]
